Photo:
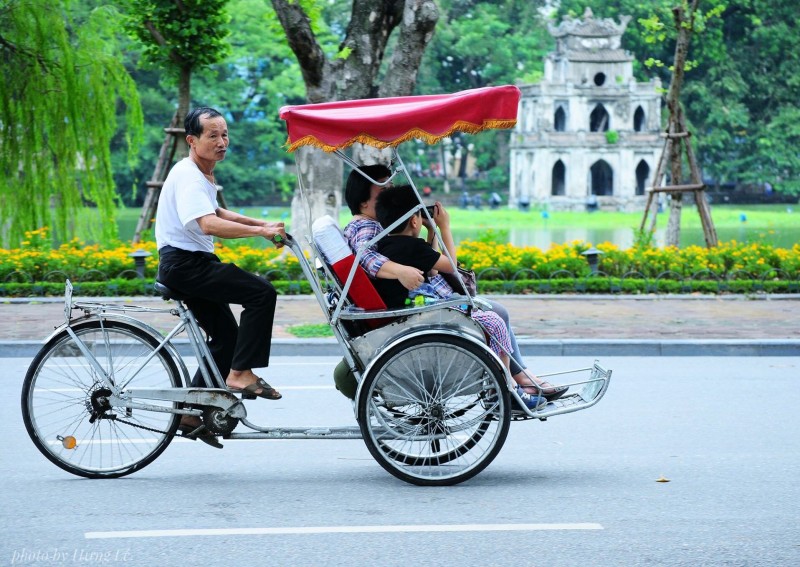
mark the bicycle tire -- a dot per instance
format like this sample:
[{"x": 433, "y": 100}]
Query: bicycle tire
[
  {"x": 435, "y": 410},
  {"x": 62, "y": 391}
]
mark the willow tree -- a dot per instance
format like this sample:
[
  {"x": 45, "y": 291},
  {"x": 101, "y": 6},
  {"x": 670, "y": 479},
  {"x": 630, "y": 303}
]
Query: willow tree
[
  {"x": 60, "y": 81},
  {"x": 358, "y": 69}
]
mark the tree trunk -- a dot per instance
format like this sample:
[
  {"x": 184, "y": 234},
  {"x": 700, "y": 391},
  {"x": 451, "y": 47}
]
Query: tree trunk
[
  {"x": 184, "y": 91},
  {"x": 685, "y": 27},
  {"x": 319, "y": 190},
  {"x": 351, "y": 76},
  {"x": 673, "y": 236}
]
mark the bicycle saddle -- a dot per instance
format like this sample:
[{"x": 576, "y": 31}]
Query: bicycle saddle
[{"x": 169, "y": 293}]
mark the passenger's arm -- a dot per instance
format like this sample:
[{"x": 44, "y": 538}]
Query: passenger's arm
[
  {"x": 379, "y": 266},
  {"x": 408, "y": 276},
  {"x": 442, "y": 219},
  {"x": 431, "y": 232}
]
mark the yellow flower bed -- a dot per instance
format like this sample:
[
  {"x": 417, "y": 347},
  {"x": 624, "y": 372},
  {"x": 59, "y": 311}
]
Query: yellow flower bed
[{"x": 36, "y": 260}]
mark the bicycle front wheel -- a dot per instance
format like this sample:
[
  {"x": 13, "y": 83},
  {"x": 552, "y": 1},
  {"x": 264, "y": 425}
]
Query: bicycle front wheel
[{"x": 66, "y": 410}]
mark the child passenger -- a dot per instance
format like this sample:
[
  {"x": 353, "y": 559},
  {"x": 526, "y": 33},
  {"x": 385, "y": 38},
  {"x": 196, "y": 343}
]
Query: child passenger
[{"x": 404, "y": 246}]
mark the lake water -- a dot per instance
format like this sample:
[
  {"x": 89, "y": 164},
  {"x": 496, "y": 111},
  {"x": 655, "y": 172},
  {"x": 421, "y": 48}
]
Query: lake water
[{"x": 543, "y": 237}]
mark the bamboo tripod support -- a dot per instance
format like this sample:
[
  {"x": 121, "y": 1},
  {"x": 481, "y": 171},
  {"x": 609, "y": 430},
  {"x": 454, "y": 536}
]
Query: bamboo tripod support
[
  {"x": 678, "y": 134},
  {"x": 166, "y": 156}
]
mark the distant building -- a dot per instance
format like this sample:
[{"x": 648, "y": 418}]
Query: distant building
[{"x": 588, "y": 133}]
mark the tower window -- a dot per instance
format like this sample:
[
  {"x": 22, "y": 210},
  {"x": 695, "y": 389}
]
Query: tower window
[
  {"x": 600, "y": 79},
  {"x": 642, "y": 173},
  {"x": 638, "y": 119},
  {"x": 602, "y": 178},
  {"x": 559, "y": 179},
  {"x": 560, "y": 120},
  {"x": 598, "y": 119}
]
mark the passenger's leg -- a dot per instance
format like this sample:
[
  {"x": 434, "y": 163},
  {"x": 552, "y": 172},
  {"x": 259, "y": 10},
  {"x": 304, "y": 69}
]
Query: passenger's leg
[
  {"x": 529, "y": 382},
  {"x": 517, "y": 363}
]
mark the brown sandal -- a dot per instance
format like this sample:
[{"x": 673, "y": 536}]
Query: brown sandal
[
  {"x": 546, "y": 390},
  {"x": 250, "y": 393}
]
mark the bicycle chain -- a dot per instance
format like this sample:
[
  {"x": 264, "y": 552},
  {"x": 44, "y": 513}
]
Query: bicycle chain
[{"x": 140, "y": 426}]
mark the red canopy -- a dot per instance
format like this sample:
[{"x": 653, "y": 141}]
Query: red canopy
[{"x": 383, "y": 122}]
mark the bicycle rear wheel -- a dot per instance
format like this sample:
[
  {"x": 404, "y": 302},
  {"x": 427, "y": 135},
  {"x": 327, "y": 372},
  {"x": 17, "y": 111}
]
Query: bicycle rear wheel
[
  {"x": 435, "y": 410},
  {"x": 65, "y": 406}
]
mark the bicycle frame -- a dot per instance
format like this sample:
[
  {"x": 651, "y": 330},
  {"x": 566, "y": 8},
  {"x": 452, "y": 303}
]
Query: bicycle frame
[{"x": 215, "y": 396}]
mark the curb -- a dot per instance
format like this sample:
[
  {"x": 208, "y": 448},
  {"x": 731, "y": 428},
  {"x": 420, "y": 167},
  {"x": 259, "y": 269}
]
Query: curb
[{"x": 528, "y": 347}]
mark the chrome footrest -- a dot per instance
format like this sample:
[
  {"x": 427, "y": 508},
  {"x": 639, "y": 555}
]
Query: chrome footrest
[{"x": 590, "y": 390}]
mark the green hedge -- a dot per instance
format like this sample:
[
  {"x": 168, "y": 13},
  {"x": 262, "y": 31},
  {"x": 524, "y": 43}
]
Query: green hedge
[
  {"x": 590, "y": 285},
  {"x": 630, "y": 286},
  {"x": 119, "y": 287}
]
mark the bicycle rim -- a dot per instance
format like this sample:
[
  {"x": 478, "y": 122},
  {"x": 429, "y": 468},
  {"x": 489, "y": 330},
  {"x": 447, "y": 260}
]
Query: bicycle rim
[{"x": 63, "y": 400}]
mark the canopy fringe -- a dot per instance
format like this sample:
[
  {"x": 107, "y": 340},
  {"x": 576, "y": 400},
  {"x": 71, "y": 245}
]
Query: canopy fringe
[{"x": 414, "y": 133}]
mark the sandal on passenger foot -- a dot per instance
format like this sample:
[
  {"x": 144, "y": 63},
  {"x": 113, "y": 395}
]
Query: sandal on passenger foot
[
  {"x": 546, "y": 390},
  {"x": 249, "y": 392},
  {"x": 199, "y": 432}
]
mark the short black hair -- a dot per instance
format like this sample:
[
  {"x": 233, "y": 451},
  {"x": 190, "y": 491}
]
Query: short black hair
[
  {"x": 393, "y": 203},
  {"x": 357, "y": 188},
  {"x": 192, "y": 124}
]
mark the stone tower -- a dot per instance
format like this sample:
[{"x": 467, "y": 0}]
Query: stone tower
[{"x": 588, "y": 133}]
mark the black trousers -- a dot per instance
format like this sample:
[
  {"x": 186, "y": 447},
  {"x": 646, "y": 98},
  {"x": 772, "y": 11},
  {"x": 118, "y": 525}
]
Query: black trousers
[{"x": 212, "y": 286}]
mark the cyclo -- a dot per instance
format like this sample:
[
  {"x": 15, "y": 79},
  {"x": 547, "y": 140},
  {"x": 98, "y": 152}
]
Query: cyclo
[{"x": 104, "y": 395}]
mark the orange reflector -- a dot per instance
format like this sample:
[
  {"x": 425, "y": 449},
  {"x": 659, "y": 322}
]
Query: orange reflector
[{"x": 69, "y": 442}]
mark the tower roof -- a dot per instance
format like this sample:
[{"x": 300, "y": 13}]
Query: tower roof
[{"x": 587, "y": 33}]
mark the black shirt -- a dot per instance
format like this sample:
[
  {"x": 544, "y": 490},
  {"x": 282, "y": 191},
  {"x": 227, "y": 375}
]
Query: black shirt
[{"x": 406, "y": 250}]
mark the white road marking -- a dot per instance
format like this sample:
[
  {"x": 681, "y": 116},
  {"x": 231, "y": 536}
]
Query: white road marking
[{"x": 341, "y": 530}]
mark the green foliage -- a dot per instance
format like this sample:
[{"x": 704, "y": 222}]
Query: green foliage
[
  {"x": 635, "y": 286},
  {"x": 248, "y": 86},
  {"x": 61, "y": 78},
  {"x": 612, "y": 136},
  {"x": 179, "y": 33},
  {"x": 492, "y": 236}
]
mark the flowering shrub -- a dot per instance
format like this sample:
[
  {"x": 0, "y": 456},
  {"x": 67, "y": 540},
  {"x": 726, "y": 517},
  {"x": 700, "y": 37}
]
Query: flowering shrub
[
  {"x": 36, "y": 261},
  {"x": 726, "y": 260}
]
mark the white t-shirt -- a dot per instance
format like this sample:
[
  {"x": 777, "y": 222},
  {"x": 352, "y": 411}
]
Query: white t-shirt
[{"x": 186, "y": 196}]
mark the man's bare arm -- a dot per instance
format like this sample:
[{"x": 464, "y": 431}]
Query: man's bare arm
[{"x": 223, "y": 227}]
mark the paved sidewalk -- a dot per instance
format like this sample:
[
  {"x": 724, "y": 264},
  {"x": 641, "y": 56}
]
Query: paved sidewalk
[{"x": 543, "y": 323}]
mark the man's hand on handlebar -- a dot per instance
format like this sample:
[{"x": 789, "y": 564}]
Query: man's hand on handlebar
[{"x": 275, "y": 233}]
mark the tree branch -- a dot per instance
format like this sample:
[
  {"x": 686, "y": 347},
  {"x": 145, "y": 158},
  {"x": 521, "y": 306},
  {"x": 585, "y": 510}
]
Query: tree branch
[
  {"x": 159, "y": 39},
  {"x": 28, "y": 53},
  {"x": 155, "y": 34},
  {"x": 416, "y": 31},
  {"x": 302, "y": 41}
]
